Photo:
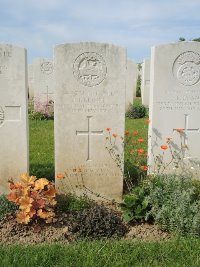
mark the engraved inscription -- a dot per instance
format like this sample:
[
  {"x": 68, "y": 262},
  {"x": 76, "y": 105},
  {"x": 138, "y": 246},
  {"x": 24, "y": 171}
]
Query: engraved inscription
[
  {"x": 89, "y": 133},
  {"x": 186, "y": 68},
  {"x": 3, "y": 68},
  {"x": 5, "y": 53},
  {"x": 46, "y": 67},
  {"x": 2, "y": 115},
  {"x": 175, "y": 100},
  {"x": 90, "y": 69}
]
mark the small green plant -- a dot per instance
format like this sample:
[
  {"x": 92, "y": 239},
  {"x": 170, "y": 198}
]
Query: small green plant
[
  {"x": 6, "y": 207},
  {"x": 175, "y": 204},
  {"x": 136, "y": 111},
  {"x": 72, "y": 203},
  {"x": 135, "y": 205},
  {"x": 98, "y": 222}
]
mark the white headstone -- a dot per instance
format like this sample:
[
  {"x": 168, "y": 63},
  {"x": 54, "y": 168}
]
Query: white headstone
[
  {"x": 145, "y": 82},
  {"x": 131, "y": 82},
  {"x": 175, "y": 106},
  {"x": 13, "y": 114},
  {"x": 30, "y": 81},
  {"x": 90, "y": 97},
  {"x": 43, "y": 71}
]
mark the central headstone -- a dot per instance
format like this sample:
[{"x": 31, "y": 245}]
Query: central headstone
[
  {"x": 175, "y": 108},
  {"x": 13, "y": 114},
  {"x": 90, "y": 97}
]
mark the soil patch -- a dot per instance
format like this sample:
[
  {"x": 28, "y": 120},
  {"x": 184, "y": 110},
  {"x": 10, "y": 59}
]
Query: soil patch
[{"x": 60, "y": 231}]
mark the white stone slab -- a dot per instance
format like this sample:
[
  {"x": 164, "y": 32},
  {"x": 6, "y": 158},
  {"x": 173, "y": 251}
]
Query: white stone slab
[
  {"x": 30, "y": 82},
  {"x": 13, "y": 114},
  {"x": 175, "y": 104},
  {"x": 145, "y": 82},
  {"x": 43, "y": 71},
  {"x": 90, "y": 97},
  {"x": 131, "y": 82}
]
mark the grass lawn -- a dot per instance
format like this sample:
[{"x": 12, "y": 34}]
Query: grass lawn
[{"x": 181, "y": 253}]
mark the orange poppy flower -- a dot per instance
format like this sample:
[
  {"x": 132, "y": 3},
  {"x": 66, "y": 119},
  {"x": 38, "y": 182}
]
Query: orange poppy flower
[
  {"x": 144, "y": 168},
  {"x": 140, "y": 150},
  {"x": 179, "y": 130},
  {"x": 140, "y": 140},
  {"x": 147, "y": 121},
  {"x": 135, "y": 132},
  {"x": 127, "y": 132},
  {"x": 108, "y": 129},
  {"x": 114, "y": 135},
  {"x": 60, "y": 176},
  {"x": 164, "y": 147}
]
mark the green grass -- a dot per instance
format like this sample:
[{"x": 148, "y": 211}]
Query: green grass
[
  {"x": 104, "y": 254},
  {"x": 42, "y": 148}
]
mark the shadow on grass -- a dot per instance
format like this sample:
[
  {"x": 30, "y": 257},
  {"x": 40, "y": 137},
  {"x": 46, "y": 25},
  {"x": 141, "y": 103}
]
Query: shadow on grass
[{"x": 43, "y": 170}]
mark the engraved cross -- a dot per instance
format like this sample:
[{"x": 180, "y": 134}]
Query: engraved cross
[
  {"x": 89, "y": 133},
  {"x": 186, "y": 131}
]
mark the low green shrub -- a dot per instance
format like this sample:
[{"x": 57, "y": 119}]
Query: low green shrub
[
  {"x": 175, "y": 204},
  {"x": 135, "y": 205},
  {"x": 72, "y": 203},
  {"x": 98, "y": 222},
  {"x": 136, "y": 111},
  {"x": 6, "y": 207}
]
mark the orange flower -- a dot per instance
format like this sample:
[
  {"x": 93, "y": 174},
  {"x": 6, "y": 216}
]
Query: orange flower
[
  {"x": 135, "y": 132},
  {"x": 164, "y": 147},
  {"x": 140, "y": 150},
  {"x": 144, "y": 168},
  {"x": 140, "y": 140},
  {"x": 60, "y": 176},
  {"x": 127, "y": 132},
  {"x": 108, "y": 129},
  {"x": 147, "y": 121},
  {"x": 114, "y": 135},
  {"x": 179, "y": 130}
]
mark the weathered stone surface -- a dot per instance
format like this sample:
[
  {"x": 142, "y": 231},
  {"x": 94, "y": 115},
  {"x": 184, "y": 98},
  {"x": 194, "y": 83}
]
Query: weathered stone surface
[
  {"x": 30, "y": 82},
  {"x": 175, "y": 108},
  {"x": 131, "y": 82},
  {"x": 43, "y": 71},
  {"x": 145, "y": 82},
  {"x": 13, "y": 114},
  {"x": 90, "y": 97}
]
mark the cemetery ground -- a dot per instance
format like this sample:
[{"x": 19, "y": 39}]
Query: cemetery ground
[{"x": 143, "y": 245}]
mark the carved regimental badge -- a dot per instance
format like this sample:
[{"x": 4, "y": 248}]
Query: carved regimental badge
[
  {"x": 47, "y": 67},
  {"x": 90, "y": 69},
  {"x": 2, "y": 116},
  {"x": 186, "y": 68}
]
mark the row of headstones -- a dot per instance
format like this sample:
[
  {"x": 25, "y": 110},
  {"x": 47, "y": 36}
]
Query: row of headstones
[
  {"x": 90, "y": 85},
  {"x": 41, "y": 82}
]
